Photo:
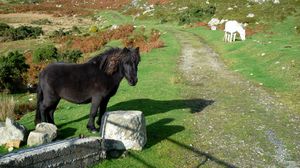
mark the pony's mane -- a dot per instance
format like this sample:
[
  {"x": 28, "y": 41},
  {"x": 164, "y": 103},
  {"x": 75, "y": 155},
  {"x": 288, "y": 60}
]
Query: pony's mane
[{"x": 109, "y": 60}]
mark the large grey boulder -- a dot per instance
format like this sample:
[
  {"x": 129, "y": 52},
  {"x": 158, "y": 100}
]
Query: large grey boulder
[
  {"x": 43, "y": 133},
  {"x": 11, "y": 131},
  {"x": 123, "y": 130}
]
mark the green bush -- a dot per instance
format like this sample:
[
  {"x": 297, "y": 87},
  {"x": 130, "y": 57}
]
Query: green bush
[
  {"x": 297, "y": 29},
  {"x": 60, "y": 33},
  {"x": 45, "y": 53},
  {"x": 4, "y": 26},
  {"x": 71, "y": 56},
  {"x": 195, "y": 14},
  {"x": 20, "y": 33},
  {"x": 24, "y": 1},
  {"x": 12, "y": 67},
  {"x": 76, "y": 30}
]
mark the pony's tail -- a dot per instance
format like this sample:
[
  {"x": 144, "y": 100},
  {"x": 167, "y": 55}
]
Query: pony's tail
[{"x": 39, "y": 99}]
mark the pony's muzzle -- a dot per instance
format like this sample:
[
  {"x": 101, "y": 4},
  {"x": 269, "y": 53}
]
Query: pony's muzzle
[{"x": 133, "y": 82}]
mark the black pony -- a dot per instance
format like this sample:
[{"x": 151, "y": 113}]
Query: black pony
[{"x": 95, "y": 81}]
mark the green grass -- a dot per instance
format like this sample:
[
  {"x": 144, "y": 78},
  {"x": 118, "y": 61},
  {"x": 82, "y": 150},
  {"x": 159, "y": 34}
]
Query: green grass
[
  {"x": 271, "y": 59},
  {"x": 170, "y": 124},
  {"x": 21, "y": 45}
]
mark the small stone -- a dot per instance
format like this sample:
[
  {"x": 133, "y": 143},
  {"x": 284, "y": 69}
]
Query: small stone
[
  {"x": 13, "y": 143},
  {"x": 10, "y": 149},
  {"x": 250, "y": 15}
]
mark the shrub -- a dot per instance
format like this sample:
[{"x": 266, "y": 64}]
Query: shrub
[
  {"x": 41, "y": 22},
  {"x": 195, "y": 14},
  {"x": 76, "y": 30},
  {"x": 71, "y": 56},
  {"x": 45, "y": 53},
  {"x": 12, "y": 68},
  {"x": 297, "y": 29},
  {"x": 60, "y": 33},
  {"x": 7, "y": 107},
  {"x": 34, "y": 69},
  {"x": 21, "y": 32},
  {"x": 3, "y": 27}
]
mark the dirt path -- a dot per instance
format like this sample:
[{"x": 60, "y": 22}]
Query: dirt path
[{"x": 245, "y": 126}]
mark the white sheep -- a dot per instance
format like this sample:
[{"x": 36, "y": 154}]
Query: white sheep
[{"x": 231, "y": 28}]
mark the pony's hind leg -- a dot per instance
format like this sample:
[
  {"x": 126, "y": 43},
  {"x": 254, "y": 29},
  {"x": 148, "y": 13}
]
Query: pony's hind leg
[
  {"x": 48, "y": 107},
  {"x": 50, "y": 111}
]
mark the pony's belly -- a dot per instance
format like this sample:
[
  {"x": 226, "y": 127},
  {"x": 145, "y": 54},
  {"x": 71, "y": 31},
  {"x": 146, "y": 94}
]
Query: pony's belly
[{"x": 78, "y": 101}]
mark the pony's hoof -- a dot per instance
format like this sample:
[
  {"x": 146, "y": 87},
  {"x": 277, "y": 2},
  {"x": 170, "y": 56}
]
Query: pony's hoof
[{"x": 94, "y": 131}]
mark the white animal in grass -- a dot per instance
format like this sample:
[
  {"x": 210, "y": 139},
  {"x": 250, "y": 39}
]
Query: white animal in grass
[{"x": 231, "y": 28}]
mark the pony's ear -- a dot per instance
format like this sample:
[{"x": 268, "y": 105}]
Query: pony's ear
[
  {"x": 125, "y": 49},
  {"x": 137, "y": 49}
]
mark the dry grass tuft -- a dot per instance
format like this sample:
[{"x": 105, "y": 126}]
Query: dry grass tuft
[{"x": 7, "y": 107}]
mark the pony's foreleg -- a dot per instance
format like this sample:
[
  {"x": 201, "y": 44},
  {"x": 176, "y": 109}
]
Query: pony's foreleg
[
  {"x": 93, "y": 112},
  {"x": 50, "y": 112},
  {"x": 102, "y": 109}
]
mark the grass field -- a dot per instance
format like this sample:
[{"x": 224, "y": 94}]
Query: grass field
[
  {"x": 234, "y": 129},
  {"x": 270, "y": 59}
]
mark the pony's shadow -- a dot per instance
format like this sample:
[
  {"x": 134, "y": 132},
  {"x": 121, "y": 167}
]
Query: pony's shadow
[
  {"x": 152, "y": 107},
  {"x": 158, "y": 131},
  {"x": 65, "y": 133}
]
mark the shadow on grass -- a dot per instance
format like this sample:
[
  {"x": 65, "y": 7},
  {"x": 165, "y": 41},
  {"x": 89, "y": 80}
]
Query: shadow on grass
[
  {"x": 158, "y": 131},
  {"x": 66, "y": 133},
  {"x": 152, "y": 107},
  {"x": 207, "y": 157},
  {"x": 74, "y": 121}
]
